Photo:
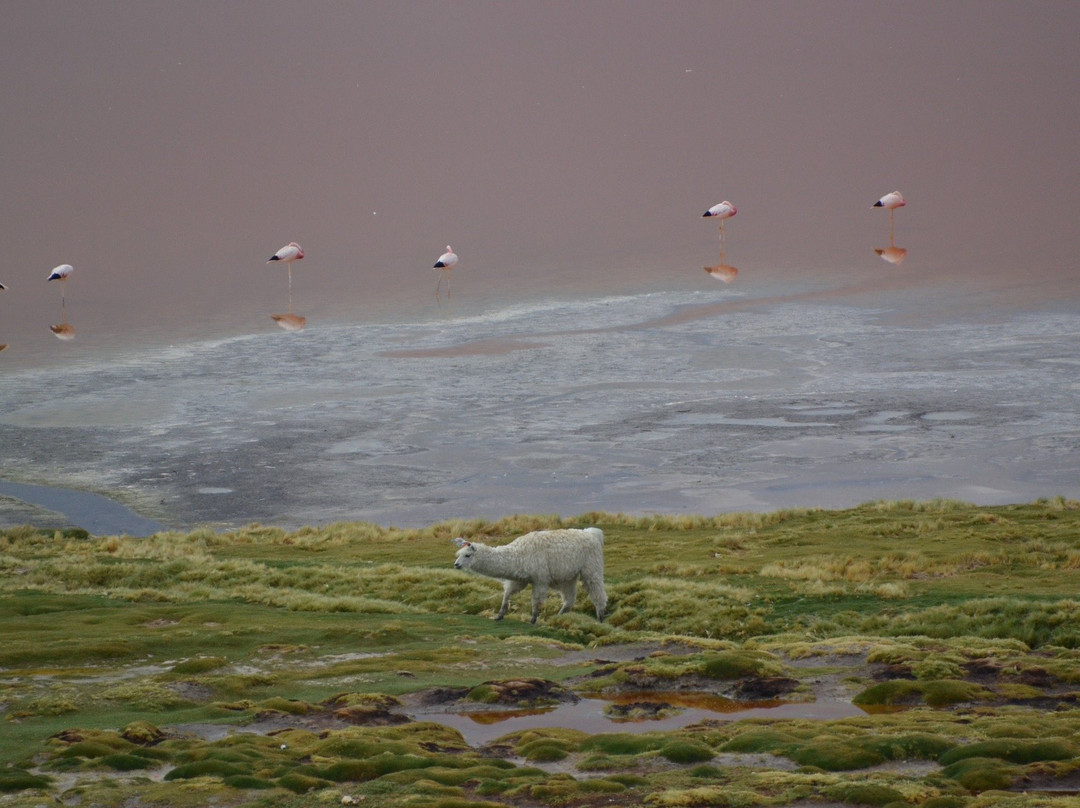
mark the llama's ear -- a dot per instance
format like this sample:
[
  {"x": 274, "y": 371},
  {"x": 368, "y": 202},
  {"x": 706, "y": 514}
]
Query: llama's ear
[{"x": 458, "y": 542}]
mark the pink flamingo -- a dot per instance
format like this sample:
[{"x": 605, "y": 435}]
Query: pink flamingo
[
  {"x": 289, "y": 253},
  {"x": 62, "y": 273},
  {"x": 890, "y": 202},
  {"x": 720, "y": 211},
  {"x": 447, "y": 261}
]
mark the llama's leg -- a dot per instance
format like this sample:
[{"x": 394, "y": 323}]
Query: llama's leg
[
  {"x": 595, "y": 588},
  {"x": 569, "y": 595},
  {"x": 538, "y": 595},
  {"x": 510, "y": 588}
]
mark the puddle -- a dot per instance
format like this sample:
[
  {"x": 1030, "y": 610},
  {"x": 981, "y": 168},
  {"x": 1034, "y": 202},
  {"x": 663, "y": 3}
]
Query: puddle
[
  {"x": 98, "y": 515},
  {"x": 589, "y": 715}
]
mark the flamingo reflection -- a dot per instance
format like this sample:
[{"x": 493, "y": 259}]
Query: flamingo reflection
[
  {"x": 447, "y": 261},
  {"x": 723, "y": 272},
  {"x": 289, "y": 253},
  {"x": 64, "y": 330},
  {"x": 893, "y": 254},
  {"x": 290, "y": 321},
  {"x": 3, "y": 289}
]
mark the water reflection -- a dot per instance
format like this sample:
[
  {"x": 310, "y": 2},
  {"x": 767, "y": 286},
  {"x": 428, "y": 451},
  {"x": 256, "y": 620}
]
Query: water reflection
[
  {"x": 893, "y": 254},
  {"x": 290, "y": 321},
  {"x": 722, "y": 271},
  {"x": 596, "y": 716}
]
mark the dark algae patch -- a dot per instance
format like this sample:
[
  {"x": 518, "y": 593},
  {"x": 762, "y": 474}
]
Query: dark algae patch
[{"x": 263, "y": 667}]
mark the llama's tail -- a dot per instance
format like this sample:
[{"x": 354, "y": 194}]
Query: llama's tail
[{"x": 596, "y": 533}]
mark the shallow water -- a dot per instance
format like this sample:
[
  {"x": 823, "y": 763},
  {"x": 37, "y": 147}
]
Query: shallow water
[
  {"x": 588, "y": 715},
  {"x": 95, "y": 513},
  {"x": 683, "y": 401}
]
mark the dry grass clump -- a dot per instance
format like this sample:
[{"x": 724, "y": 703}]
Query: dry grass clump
[{"x": 860, "y": 570}]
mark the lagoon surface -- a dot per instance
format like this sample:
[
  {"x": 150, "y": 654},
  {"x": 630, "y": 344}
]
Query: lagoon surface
[{"x": 697, "y": 399}]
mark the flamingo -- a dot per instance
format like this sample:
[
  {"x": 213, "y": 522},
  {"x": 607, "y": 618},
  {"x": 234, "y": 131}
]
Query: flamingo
[
  {"x": 721, "y": 210},
  {"x": 289, "y": 253},
  {"x": 890, "y": 202},
  {"x": 447, "y": 261},
  {"x": 62, "y": 273},
  {"x": 3, "y": 345}
]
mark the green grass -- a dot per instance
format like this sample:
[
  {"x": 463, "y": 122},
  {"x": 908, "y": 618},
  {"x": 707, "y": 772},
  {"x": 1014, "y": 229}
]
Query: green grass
[{"x": 108, "y": 638}]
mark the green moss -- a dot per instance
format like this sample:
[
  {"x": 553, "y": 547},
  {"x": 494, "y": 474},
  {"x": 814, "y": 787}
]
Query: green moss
[
  {"x": 737, "y": 665},
  {"x": 199, "y": 664},
  {"x": 301, "y": 783},
  {"x": 142, "y": 733},
  {"x": 288, "y": 706},
  {"x": 204, "y": 768},
  {"x": 760, "y": 741},
  {"x": 944, "y": 802},
  {"x": 91, "y": 749},
  {"x": 947, "y": 692},
  {"x": 1013, "y": 751},
  {"x": 621, "y": 744},
  {"x": 125, "y": 763},
  {"x": 483, "y": 694},
  {"x": 912, "y": 746},
  {"x": 837, "y": 755},
  {"x": 247, "y": 782},
  {"x": 936, "y": 693},
  {"x": 980, "y": 774},
  {"x": 683, "y": 751},
  {"x": 544, "y": 750},
  {"x": 14, "y": 779},
  {"x": 865, "y": 794},
  {"x": 349, "y": 770},
  {"x": 387, "y": 763}
]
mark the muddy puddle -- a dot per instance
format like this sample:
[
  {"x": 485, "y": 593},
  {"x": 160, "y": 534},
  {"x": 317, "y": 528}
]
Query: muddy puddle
[
  {"x": 643, "y": 712},
  {"x": 480, "y": 725}
]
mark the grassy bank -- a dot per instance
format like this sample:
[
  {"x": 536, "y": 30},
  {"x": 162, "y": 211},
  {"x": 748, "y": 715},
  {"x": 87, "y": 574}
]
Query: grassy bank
[{"x": 965, "y": 617}]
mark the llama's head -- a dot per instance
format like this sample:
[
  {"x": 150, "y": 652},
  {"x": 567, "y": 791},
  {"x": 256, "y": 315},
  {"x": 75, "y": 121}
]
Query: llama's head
[{"x": 465, "y": 554}]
